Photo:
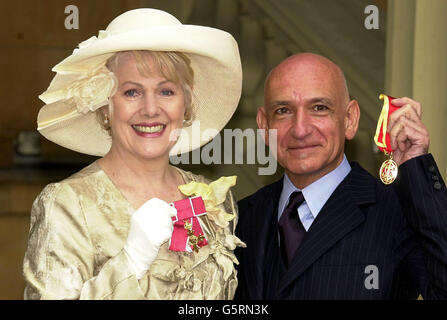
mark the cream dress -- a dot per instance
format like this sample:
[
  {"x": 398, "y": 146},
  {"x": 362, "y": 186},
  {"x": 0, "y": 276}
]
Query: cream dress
[{"x": 75, "y": 249}]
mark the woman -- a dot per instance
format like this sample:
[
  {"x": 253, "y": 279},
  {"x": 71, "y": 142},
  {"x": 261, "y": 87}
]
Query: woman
[{"x": 130, "y": 96}]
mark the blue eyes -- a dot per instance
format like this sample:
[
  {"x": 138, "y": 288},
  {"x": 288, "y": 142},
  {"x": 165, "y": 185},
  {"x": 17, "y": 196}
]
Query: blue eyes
[
  {"x": 132, "y": 93},
  {"x": 167, "y": 92}
]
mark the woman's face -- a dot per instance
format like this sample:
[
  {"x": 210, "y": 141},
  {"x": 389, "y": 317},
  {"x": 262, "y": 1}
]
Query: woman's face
[{"x": 146, "y": 110}]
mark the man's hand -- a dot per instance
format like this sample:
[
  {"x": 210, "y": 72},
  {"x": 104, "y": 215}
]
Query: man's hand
[{"x": 408, "y": 135}]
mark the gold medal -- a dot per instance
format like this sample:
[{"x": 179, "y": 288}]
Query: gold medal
[
  {"x": 194, "y": 240},
  {"x": 388, "y": 171}
]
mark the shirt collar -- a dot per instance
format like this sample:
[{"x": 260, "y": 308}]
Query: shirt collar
[{"x": 317, "y": 193}]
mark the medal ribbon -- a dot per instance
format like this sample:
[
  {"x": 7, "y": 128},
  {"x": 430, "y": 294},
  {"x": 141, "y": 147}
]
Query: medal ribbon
[
  {"x": 382, "y": 138},
  {"x": 187, "y": 212},
  {"x": 388, "y": 170}
]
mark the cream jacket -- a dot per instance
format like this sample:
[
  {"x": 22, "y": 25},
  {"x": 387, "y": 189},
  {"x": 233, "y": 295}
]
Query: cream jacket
[{"x": 75, "y": 250}]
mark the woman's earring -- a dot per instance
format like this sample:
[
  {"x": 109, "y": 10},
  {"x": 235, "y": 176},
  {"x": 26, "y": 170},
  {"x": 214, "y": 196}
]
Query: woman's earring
[{"x": 106, "y": 121}]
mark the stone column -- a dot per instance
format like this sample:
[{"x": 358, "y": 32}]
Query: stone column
[
  {"x": 416, "y": 64},
  {"x": 430, "y": 73}
]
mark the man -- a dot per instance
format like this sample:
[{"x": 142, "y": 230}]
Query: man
[{"x": 351, "y": 237}]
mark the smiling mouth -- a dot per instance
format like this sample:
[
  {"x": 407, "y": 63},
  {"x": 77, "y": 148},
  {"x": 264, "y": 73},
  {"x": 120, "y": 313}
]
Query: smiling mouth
[
  {"x": 302, "y": 147},
  {"x": 149, "y": 129}
]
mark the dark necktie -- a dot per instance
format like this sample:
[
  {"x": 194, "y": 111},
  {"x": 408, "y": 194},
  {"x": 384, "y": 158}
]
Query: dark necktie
[{"x": 291, "y": 230}]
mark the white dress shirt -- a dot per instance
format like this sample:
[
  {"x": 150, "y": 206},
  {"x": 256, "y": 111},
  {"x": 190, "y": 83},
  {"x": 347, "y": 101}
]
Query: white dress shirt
[{"x": 315, "y": 194}]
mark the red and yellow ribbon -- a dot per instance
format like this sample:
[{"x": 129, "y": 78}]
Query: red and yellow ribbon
[
  {"x": 388, "y": 170},
  {"x": 382, "y": 138},
  {"x": 188, "y": 234}
]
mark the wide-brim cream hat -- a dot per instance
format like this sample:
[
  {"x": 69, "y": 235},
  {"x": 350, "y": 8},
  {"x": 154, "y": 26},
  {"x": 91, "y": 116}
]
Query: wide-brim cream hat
[{"x": 83, "y": 83}]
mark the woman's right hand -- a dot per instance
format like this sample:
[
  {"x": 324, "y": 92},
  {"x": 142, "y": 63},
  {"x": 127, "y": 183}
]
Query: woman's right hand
[{"x": 150, "y": 226}]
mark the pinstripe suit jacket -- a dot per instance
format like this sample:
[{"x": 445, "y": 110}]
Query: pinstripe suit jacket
[{"x": 400, "y": 230}]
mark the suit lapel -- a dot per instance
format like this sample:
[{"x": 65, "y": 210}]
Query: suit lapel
[
  {"x": 339, "y": 216},
  {"x": 273, "y": 264},
  {"x": 263, "y": 231}
]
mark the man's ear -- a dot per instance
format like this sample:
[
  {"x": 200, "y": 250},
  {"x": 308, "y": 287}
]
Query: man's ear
[
  {"x": 352, "y": 118},
  {"x": 261, "y": 120}
]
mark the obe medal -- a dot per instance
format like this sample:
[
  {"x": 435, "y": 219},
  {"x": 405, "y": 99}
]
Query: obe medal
[{"x": 388, "y": 170}]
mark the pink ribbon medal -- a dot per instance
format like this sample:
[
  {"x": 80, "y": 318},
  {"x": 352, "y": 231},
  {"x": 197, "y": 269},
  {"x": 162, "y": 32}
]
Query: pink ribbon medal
[{"x": 188, "y": 234}]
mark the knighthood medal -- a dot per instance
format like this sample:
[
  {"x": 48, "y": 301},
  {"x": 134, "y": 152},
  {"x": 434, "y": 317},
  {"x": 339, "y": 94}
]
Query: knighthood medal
[{"x": 388, "y": 170}]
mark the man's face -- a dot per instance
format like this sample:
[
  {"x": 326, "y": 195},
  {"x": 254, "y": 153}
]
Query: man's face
[{"x": 307, "y": 107}]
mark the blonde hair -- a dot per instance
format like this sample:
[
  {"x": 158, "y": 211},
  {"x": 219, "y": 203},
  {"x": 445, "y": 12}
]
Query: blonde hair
[{"x": 174, "y": 66}]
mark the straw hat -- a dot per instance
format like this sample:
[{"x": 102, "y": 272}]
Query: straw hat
[{"x": 83, "y": 84}]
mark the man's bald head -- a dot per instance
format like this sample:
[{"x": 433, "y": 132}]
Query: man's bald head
[{"x": 311, "y": 62}]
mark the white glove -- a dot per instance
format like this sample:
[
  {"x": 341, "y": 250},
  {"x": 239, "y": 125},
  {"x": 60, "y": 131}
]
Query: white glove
[{"x": 150, "y": 226}]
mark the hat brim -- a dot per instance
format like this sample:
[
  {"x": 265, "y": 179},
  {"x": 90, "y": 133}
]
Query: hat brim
[{"x": 217, "y": 84}]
